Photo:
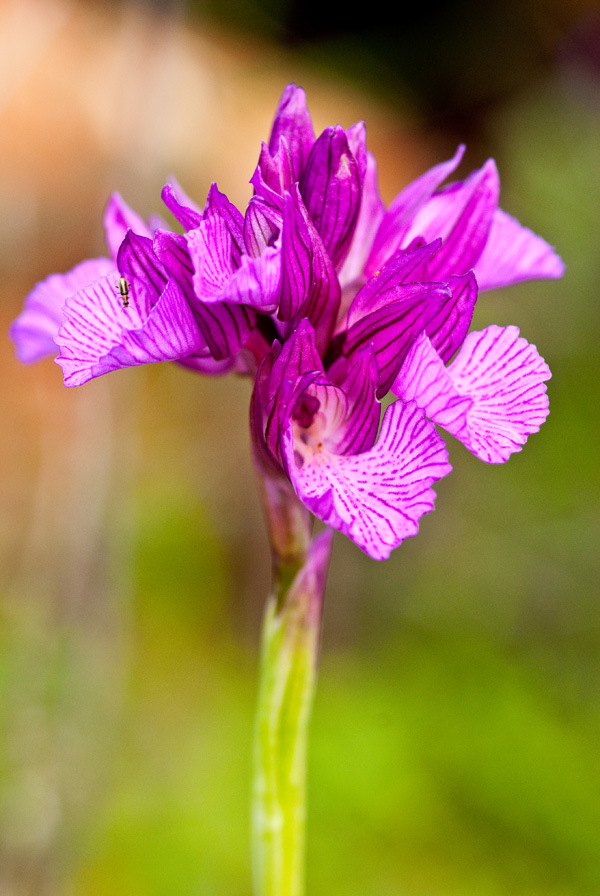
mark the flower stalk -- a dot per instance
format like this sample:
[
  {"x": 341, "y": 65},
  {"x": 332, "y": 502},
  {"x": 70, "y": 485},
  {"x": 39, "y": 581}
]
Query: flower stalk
[{"x": 289, "y": 648}]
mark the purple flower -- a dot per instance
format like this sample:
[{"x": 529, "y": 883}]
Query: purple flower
[{"x": 330, "y": 302}]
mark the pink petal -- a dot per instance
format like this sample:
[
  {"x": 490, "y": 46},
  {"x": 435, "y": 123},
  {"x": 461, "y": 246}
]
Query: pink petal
[
  {"x": 513, "y": 254},
  {"x": 378, "y": 497},
  {"x": 34, "y": 330},
  {"x": 118, "y": 219},
  {"x": 99, "y": 334},
  {"x": 491, "y": 397}
]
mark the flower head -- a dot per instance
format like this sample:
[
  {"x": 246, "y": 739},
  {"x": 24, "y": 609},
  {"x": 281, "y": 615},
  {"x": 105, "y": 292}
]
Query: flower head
[{"x": 330, "y": 301}]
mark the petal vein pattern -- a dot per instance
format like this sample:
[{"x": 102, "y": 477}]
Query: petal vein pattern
[
  {"x": 492, "y": 396},
  {"x": 378, "y": 497},
  {"x": 99, "y": 335}
]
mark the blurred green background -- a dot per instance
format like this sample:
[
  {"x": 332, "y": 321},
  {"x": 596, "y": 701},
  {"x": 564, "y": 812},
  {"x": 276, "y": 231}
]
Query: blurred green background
[{"x": 455, "y": 737}]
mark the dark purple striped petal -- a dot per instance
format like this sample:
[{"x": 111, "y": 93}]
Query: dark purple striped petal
[
  {"x": 257, "y": 282},
  {"x": 391, "y": 330},
  {"x": 210, "y": 247},
  {"x": 358, "y": 381},
  {"x": 99, "y": 334},
  {"x": 447, "y": 330},
  {"x": 118, "y": 219},
  {"x": 218, "y": 205},
  {"x": 225, "y": 327},
  {"x": 293, "y": 122},
  {"x": 392, "y": 233},
  {"x": 262, "y": 223},
  {"x": 307, "y": 258},
  {"x": 143, "y": 270},
  {"x": 330, "y": 187},
  {"x": 491, "y": 397},
  {"x": 181, "y": 206},
  {"x": 370, "y": 216},
  {"x": 462, "y": 215},
  {"x": 409, "y": 266},
  {"x": 375, "y": 498},
  {"x": 34, "y": 329},
  {"x": 513, "y": 254}
]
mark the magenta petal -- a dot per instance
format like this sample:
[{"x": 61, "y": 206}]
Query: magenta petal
[
  {"x": 99, "y": 334},
  {"x": 447, "y": 330},
  {"x": 359, "y": 382},
  {"x": 34, "y": 329},
  {"x": 293, "y": 122},
  {"x": 462, "y": 215},
  {"x": 218, "y": 205},
  {"x": 375, "y": 498},
  {"x": 210, "y": 247},
  {"x": 370, "y": 216},
  {"x": 118, "y": 219},
  {"x": 398, "y": 218},
  {"x": 181, "y": 206},
  {"x": 491, "y": 397},
  {"x": 408, "y": 266},
  {"x": 390, "y": 330},
  {"x": 513, "y": 254},
  {"x": 262, "y": 223},
  {"x": 257, "y": 282},
  {"x": 331, "y": 190}
]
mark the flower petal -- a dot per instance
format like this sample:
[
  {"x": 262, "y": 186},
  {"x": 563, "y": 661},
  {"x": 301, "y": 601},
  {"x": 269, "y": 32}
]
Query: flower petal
[
  {"x": 118, "y": 219},
  {"x": 330, "y": 187},
  {"x": 491, "y": 397},
  {"x": 462, "y": 215},
  {"x": 369, "y": 218},
  {"x": 225, "y": 327},
  {"x": 97, "y": 337},
  {"x": 377, "y": 497},
  {"x": 34, "y": 329},
  {"x": 395, "y": 225},
  {"x": 181, "y": 206},
  {"x": 293, "y": 122},
  {"x": 447, "y": 330},
  {"x": 513, "y": 254},
  {"x": 390, "y": 330}
]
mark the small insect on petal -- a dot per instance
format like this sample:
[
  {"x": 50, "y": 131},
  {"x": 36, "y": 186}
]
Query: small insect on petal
[{"x": 124, "y": 290}]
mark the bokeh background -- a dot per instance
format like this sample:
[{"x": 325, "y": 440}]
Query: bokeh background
[{"x": 455, "y": 738}]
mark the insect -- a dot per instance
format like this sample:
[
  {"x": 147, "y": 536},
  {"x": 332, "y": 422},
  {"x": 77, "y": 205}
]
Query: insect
[{"x": 124, "y": 290}]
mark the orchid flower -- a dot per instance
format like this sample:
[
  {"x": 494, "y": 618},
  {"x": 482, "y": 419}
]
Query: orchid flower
[{"x": 332, "y": 304}]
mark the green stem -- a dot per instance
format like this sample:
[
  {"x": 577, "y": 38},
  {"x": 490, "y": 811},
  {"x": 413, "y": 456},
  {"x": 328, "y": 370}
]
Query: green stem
[{"x": 290, "y": 640}]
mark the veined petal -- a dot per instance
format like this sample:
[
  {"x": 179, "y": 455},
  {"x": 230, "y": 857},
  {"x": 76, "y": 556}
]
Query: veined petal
[
  {"x": 145, "y": 273},
  {"x": 262, "y": 223},
  {"x": 407, "y": 267},
  {"x": 225, "y": 327},
  {"x": 34, "y": 329},
  {"x": 181, "y": 206},
  {"x": 513, "y": 254},
  {"x": 218, "y": 205},
  {"x": 256, "y": 283},
  {"x": 97, "y": 335},
  {"x": 391, "y": 330},
  {"x": 358, "y": 381},
  {"x": 293, "y": 122},
  {"x": 331, "y": 190},
  {"x": 377, "y": 497},
  {"x": 118, "y": 219},
  {"x": 395, "y": 225},
  {"x": 447, "y": 330},
  {"x": 369, "y": 218},
  {"x": 491, "y": 397},
  {"x": 210, "y": 247}
]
